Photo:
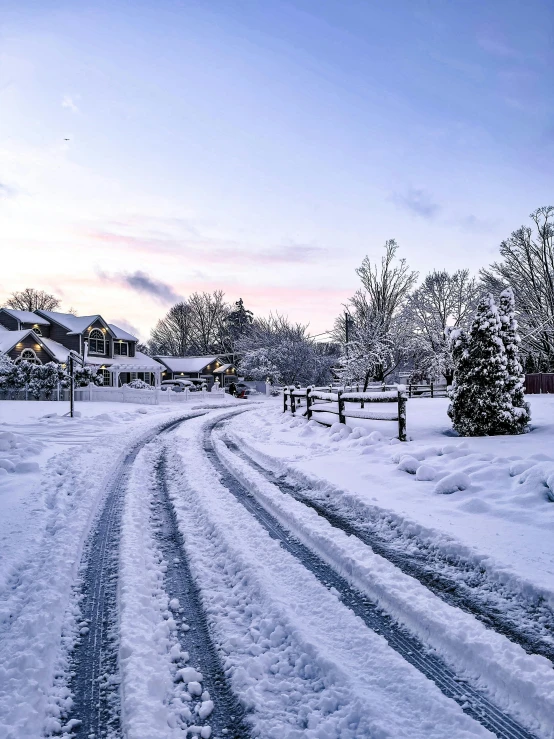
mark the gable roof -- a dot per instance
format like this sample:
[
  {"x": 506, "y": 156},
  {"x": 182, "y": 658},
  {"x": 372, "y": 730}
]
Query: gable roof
[
  {"x": 73, "y": 324},
  {"x": 26, "y": 316},
  {"x": 9, "y": 339},
  {"x": 119, "y": 333},
  {"x": 186, "y": 364}
]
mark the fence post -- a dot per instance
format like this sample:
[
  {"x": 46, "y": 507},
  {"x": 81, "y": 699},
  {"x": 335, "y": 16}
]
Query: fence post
[
  {"x": 402, "y": 415},
  {"x": 285, "y": 399},
  {"x": 432, "y": 390},
  {"x": 292, "y": 402},
  {"x": 342, "y": 418},
  {"x": 308, "y": 404}
]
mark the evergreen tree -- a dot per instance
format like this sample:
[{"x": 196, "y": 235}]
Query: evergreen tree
[
  {"x": 239, "y": 319},
  {"x": 480, "y": 400},
  {"x": 520, "y": 416}
]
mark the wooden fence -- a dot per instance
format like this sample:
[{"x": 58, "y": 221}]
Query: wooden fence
[
  {"x": 319, "y": 401},
  {"x": 540, "y": 382}
]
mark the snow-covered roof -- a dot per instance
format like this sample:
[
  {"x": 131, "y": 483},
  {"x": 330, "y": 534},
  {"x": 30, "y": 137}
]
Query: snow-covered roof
[
  {"x": 9, "y": 339},
  {"x": 119, "y": 333},
  {"x": 74, "y": 324},
  {"x": 59, "y": 351},
  {"x": 223, "y": 368},
  {"x": 140, "y": 362},
  {"x": 26, "y": 316},
  {"x": 186, "y": 364}
]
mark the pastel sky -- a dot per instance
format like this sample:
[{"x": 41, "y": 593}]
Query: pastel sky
[{"x": 264, "y": 146}]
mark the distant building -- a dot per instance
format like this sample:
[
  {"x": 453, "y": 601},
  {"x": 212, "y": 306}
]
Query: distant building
[
  {"x": 198, "y": 368},
  {"x": 46, "y": 336}
]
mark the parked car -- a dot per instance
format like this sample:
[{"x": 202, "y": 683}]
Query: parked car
[{"x": 179, "y": 386}]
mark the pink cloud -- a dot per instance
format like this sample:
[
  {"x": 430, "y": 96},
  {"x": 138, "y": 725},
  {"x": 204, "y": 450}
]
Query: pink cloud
[{"x": 212, "y": 251}]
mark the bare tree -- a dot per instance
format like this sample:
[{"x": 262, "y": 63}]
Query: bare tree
[
  {"x": 31, "y": 300},
  {"x": 377, "y": 335},
  {"x": 195, "y": 326},
  {"x": 209, "y": 319},
  {"x": 528, "y": 267},
  {"x": 441, "y": 303},
  {"x": 387, "y": 288},
  {"x": 173, "y": 335}
]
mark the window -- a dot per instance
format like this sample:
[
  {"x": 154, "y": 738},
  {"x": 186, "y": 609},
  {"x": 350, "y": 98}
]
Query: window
[
  {"x": 96, "y": 342},
  {"x": 28, "y": 355},
  {"x": 106, "y": 376},
  {"x": 121, "y": 347}
]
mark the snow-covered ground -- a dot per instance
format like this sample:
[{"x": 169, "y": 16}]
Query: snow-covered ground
[
  {"x": 300, "y": 663},
  {"x": 501, "y": 488}
]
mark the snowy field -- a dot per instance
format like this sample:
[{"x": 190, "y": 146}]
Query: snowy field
[{"x": 271, "y": 577}]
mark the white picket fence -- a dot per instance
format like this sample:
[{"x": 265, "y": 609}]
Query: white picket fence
[{"x": 156, "y": 396}]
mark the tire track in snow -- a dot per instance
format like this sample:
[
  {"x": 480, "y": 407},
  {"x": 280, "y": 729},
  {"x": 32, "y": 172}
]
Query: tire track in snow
[
  {"x": 457, "y": 585},
  {"x": 473, "y": 702},
  {"x": 94, "y": 685},
  {"x": 227, "y": 717}
]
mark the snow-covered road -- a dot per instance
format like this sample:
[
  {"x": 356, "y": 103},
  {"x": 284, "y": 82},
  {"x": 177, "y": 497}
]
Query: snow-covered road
[{"x": 179, "y": 584}]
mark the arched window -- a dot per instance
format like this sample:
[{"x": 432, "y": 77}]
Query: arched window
[
  {"x": 28, "y": 355},
  {"x": 96, "y": 342}
]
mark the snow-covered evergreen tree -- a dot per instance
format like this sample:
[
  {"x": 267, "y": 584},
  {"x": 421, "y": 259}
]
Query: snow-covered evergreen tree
[
  {"x": 480, "y": 400},
  {"x": 520, "y": 416}
]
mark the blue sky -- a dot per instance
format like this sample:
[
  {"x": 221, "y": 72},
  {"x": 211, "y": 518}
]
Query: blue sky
[{"x": 264, "y": 147}]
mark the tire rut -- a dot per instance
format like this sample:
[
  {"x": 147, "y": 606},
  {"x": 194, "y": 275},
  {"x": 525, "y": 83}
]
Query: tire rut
[
  {"x": 458, "y": 585},
  {"x": 228, "y": 716},
  {"x": 472, "y": 701},
  {"x": 94, "y": 683}
]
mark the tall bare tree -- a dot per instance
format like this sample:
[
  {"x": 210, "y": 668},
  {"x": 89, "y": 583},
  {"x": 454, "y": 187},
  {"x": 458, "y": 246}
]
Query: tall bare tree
[
  {"x": 377, "y": 336},
  {"x": 528, "y": 267},
  {"x": 195, "y": 326},
  {"x": 31, "y": 300},
  {"x": 441, "y": 303}
]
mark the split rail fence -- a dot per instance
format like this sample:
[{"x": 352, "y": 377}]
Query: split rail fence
[{"x": 318, "y": 401}]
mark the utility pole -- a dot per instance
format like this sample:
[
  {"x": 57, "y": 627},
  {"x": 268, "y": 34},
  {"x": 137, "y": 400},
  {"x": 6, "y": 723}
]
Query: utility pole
[{"x": 71, "y": 386}]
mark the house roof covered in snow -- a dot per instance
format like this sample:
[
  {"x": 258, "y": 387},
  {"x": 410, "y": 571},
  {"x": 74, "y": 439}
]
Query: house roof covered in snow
[
  {"x": 186, "y": 364},
  {"x": 74, "y": 324},
  {"x": 119, "y": 333},
  {"x": 8, "y": 339},
  {"x": 223, "y": 368},
  {"x": 26, "y": 316},
  {"x": 59, "y": 351}
]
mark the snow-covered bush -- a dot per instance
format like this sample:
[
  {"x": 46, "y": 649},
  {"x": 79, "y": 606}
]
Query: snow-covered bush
[
  {"x": 480, "y": 399},
  {"x": 6, "y": 369},
  {"x": 139, "y": 385},
  {"x": 45, "y": 379},
  {"x": 83, "y": 376}
]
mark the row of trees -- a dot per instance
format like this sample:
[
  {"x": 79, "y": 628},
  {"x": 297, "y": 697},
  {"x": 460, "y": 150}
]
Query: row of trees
[
  {"x": 389, "y": 323},
  {"x": 204, "y": 324}
]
